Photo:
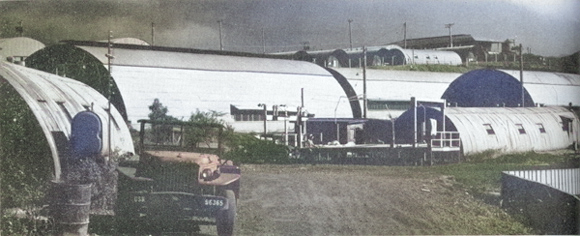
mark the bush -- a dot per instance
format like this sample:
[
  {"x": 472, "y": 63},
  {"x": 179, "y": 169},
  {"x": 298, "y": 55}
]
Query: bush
[
  {"x": 246, "y": 148},
  {"x": 25, "y": 160}
]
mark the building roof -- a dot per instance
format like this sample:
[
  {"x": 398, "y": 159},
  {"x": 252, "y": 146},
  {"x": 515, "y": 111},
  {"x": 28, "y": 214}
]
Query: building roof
[
  {"x": 504, "y": 129},
  {"x": 54, "y": 100},
  {"x": 186, "y": 80},
  {"x": 487, "y": 88},
  {"x": 19, "y": 46}
]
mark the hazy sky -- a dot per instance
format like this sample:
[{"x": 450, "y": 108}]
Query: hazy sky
[{"x": 548, "y": 27}]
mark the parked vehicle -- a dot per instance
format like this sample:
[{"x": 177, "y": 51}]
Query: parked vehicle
[{"x": 172, "y": 189}]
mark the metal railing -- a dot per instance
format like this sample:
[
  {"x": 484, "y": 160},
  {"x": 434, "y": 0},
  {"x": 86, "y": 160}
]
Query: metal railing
[{"x": 448, "y": 140}]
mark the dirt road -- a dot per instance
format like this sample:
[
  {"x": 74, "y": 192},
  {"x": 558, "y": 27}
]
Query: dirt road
[{"x": 359, "y": 200}]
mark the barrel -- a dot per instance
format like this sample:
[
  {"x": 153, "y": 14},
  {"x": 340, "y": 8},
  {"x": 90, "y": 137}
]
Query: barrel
[{"x": 70, "y": 206}]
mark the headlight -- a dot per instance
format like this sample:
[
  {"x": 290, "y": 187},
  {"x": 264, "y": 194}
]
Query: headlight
[{"x": 206, "y": 174}]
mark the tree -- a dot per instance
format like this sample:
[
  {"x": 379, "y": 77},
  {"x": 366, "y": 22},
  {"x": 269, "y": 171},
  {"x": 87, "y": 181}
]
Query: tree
[
  {"x": 206, "y": 128},
  {"x": 160, "y": 133}
]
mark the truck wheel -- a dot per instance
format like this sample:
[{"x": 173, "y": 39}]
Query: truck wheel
[{"x": 225, "y": 219}]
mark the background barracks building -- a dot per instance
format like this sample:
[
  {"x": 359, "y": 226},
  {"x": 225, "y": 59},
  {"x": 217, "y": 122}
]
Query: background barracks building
[{"x": 468, "y": 47}]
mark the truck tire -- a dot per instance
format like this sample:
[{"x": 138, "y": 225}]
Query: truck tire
[{"x": 225, "y": 219}]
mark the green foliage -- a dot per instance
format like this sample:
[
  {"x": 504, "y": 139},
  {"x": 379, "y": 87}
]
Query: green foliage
[
  {"x": 205, "y": 129},
  {"x": 246, "y": 148},
  {"x": 483, "y": 174},
  {"x": 25, "y": 159},
  {"x": 160, "y": 133}
]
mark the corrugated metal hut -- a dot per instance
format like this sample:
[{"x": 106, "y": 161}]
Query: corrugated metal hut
[
  {"x": 186, "y": 80},
  {"x": 550, "y": 88},
  {"x": 492, "y": 88},
  {"x": 17, "y": 49},
  {"x": 388, "y": 91},
  {"x": 55, "y": 100},
  {"x": 504, "y": 129},
  {"x": 487, "y": 88},
  {"x": 399, "y": 56}
]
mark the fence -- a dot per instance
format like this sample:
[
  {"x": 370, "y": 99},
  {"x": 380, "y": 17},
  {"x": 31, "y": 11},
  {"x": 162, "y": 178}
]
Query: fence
[{"x": 565, "y": 180}]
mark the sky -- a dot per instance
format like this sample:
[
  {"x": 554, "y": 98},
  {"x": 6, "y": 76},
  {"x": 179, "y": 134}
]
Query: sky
[{"x": 544, "y": 27}]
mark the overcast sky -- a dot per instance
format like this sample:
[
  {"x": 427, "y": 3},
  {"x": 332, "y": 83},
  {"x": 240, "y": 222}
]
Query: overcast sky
[{"x": 547, "y": 27}]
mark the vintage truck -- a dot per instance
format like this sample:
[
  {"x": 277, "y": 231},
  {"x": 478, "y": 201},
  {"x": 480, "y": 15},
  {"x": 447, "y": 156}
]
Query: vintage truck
[{"x": 171, "y": 189}]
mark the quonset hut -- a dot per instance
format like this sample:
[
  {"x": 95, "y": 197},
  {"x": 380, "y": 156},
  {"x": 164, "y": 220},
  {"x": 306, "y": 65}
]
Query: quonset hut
[
  {"x": 503, "y": 88},
  {"x": 55, "y": 100},
  {"x": 186, "y": 80},
  {"x": 504, "y": 129},
  {"x": 17, "y": 49},
  {"x": 487, "y": 88}
]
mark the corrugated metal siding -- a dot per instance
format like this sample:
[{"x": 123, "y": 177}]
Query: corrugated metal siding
[
  {"x": 398, "y": 85},
  {"x": 184, "y": 91},
  {"x": 48, "y": 94},
  {"x": 183, "y": 60},
  {"x": 185, "y": 82},
  {"x": 550, "y": 88},
  {"x": 507, "y": 138},
  {"x": 565, "y": 180}
]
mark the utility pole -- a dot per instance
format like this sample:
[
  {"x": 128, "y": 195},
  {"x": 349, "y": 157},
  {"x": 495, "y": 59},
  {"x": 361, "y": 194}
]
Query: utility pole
[
  {"x": 220, "y": 33},
  {"x": 364, "y": 66},
  {"x": 110, "y": 57},
  {"x": 450, "y": 37},
  {"x": 522, "y": 74},
  {"x": 350, "y": 33},
  {"x": 405, "y": 34},
  {"x": 152, "y": 33},
  {"x": 263, "y": 42}
]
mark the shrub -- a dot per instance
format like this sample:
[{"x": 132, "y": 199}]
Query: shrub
[{"x": 246, "y": 148}]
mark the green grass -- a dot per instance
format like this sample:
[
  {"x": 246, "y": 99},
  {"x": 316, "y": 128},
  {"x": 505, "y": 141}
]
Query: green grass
[{"x": 482, "y": 172}]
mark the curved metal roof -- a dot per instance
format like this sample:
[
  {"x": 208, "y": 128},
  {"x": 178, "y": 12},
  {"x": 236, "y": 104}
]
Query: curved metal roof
[
  {"x": 487, "y": 88},
  {"x": 186, "y": 81},
  {"x": 19, "y": 46},
  {"x": 515, "y": 129},
  {"x": 54, "y": 100},
  {"x": 504, "y": 129},
  {"x": 417, "y": 56},
  {"x": 550, "y": 88}
]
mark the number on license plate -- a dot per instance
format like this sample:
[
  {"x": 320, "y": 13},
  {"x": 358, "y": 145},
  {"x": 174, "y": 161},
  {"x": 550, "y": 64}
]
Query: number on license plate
[{"x": 214, "y": 202}]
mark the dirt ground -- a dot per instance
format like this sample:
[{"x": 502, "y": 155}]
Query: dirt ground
[{"x": 359, "y": 200}]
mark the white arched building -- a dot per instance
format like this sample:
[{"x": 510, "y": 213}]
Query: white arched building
[
  {"x": 55, "y": 100},
  {"x": 187, "y": 80}
]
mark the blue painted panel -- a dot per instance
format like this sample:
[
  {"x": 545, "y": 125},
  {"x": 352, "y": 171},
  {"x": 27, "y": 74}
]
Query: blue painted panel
[
  {"x": 86, "y": 137},
  {"x": 486, "y": 88}
]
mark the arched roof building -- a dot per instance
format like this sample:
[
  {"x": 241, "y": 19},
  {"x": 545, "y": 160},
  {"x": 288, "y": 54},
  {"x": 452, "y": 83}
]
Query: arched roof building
[
  {"x": 504, "y": 129},
  {"x": 487, "y": 88},
  {"x": 399, "y": 56},
  {"x": 17, "y": 49},
  {"x": 389, "y": 91},
  {"x": 550, "y": 88},
  {"x": 55, "y": 100},
  {"x": 186, "y": 80}
]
